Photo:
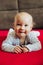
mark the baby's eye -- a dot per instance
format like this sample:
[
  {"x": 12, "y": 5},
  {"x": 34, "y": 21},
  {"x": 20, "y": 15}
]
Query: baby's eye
[
  {"x": 19, "y": 24},
  {"x": 26, "y": 25}
]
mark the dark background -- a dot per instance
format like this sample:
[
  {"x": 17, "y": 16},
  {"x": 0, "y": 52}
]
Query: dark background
[{"x": 9, "y": 8}]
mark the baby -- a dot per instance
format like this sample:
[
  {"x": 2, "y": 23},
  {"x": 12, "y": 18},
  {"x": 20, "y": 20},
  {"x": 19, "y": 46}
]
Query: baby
[{"x": 21, "y": 38}]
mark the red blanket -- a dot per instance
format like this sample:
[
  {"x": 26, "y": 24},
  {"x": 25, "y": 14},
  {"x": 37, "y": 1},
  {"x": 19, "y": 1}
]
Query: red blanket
[{"x": 30, "y": 58}]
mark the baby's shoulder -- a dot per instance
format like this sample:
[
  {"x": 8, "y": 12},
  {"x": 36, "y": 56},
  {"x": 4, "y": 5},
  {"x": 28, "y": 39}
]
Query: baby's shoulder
[
  {"x": 11, "y": 32},
  {"x": 34, "y": 33}
]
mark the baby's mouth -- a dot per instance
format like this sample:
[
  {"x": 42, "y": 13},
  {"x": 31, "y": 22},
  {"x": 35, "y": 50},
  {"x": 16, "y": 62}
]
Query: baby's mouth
[{"x": 21, "y": 31}]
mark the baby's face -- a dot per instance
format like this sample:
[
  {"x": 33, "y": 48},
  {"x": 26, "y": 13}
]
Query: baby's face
[{"x": 23, "y": 26}]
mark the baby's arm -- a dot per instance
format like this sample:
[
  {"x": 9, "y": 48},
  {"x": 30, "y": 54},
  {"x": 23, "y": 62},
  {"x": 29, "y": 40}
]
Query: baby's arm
[
  {"x": 7, "y": 44},
  {"x": 9, "y": 47},
  {"x": 35, "y": 43}
]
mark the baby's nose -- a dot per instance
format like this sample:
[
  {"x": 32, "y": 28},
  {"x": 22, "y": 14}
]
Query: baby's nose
[{"x": 22, "y": 27}]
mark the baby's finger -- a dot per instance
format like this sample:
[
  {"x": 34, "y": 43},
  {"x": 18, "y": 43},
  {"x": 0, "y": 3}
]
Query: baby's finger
[
  {"x": 20, "y": 47},
  {"x": 19, "y": 50},
  {"x": 15, "y": 51}
]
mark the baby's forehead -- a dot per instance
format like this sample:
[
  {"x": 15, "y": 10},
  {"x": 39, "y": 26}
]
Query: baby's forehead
[{"x": 24, "y": 16}]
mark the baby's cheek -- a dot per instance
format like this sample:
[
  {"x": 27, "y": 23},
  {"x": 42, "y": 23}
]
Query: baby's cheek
[
  {"x": 26, "y": 32},
  {"x": 16, "y": 31}
]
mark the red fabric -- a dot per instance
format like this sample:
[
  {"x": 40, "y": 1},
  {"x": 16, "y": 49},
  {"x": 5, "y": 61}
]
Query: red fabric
[{"x": 30, "y": 58}]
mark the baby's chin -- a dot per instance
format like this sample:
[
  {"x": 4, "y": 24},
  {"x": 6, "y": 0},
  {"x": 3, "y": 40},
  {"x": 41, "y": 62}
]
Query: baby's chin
[{"x": 22, "y": 35}]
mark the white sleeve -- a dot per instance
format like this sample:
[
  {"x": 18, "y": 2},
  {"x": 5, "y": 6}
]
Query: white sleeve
[
  {"x": 35, "y": 43},
  {"x": 7, "y": 43}
]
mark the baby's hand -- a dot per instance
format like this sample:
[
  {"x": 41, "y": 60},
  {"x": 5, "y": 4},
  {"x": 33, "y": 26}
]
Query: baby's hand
[
  {"x": 18, "y": 49},
  {"x": 25, "y": 49}
]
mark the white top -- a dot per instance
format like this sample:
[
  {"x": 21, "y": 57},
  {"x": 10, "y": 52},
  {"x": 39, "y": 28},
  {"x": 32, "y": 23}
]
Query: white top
[{"x": 31, "y": 42}]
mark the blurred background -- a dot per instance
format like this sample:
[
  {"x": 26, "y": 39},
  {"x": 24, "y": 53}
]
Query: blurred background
[{"x": 9, "y": 8}]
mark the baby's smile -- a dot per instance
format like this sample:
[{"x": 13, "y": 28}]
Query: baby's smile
[{"x": 21, "y": 31}]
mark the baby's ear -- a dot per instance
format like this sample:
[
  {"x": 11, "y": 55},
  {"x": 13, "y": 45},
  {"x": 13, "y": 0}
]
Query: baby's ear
[
  {"x": 34, "y": 24},
  {"x": 13, "y": 25}
]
